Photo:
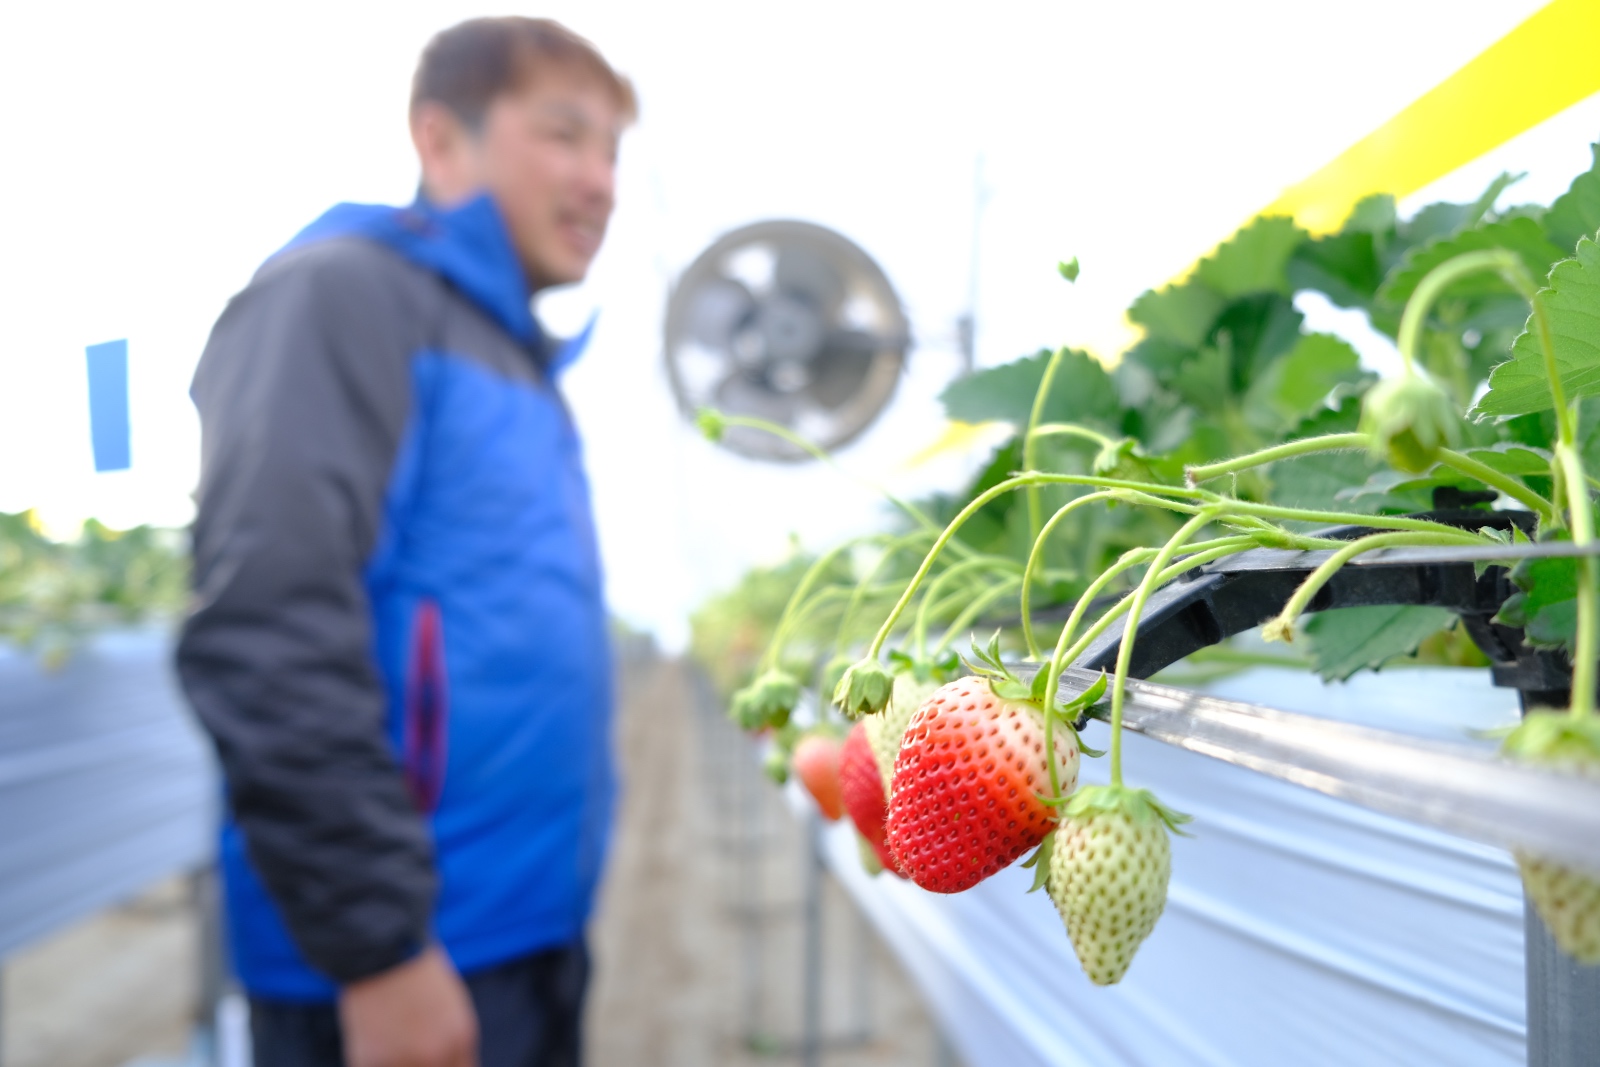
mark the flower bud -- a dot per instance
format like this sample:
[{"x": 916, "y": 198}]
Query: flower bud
[
  {"x": 1409, "y": 419},
  {"x": 864, "y": 689},
  {"x": 768, "y": 700},
  {"x": 711, "y": 423}
]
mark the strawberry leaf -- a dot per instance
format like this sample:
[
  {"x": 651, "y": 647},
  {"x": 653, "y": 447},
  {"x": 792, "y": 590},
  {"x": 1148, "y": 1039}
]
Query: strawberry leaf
[
  {"x": 1346, "y": 640},
  {"x": 1576, "y": 212},
  {"x": 1546, "y": 608},
  {"x": 1519, "y": 386}
]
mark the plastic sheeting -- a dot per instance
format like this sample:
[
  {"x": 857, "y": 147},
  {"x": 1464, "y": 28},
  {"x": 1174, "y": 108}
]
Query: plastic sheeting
[
  {"x": 1299, "y": 929},
  {"x": 106, "y": 784}
]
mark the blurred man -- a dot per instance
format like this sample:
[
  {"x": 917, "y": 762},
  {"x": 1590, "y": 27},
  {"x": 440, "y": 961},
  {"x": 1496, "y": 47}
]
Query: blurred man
[{"x": 398, "y": 643}]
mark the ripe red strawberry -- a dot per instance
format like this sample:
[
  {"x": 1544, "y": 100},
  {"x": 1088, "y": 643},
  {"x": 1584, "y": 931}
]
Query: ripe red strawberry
[
  {"x": 967, "y": 785},
  {"x": 863, "y": 793},
  {"x": 816, "y": 764}
]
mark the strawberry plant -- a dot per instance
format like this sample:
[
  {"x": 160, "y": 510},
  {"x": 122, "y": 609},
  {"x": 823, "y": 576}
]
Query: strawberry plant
[
  {"x": 54, "y": 593},
  {"x": 1227, "y": 428}
]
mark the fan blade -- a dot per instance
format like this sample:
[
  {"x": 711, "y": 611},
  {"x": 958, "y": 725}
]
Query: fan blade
[
  {"x": 738, "y": 395},
  {"x": 717, "y": 309},
  {"x": 805, "y": 275}
]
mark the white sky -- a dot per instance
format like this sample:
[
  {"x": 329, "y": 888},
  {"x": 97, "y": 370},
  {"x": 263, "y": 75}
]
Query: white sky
[{"x": 158, "y": 152}]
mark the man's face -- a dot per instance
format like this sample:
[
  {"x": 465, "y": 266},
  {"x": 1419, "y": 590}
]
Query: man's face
[{"x": 548, "y": 156}]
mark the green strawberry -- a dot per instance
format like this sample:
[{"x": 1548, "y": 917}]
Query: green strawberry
[
  {"x": 1410, "y": 419},
  {"x": 1110, "y": 860},
  {"x": 1568, "y": 901},
  {"x": 885, "y": 729}
]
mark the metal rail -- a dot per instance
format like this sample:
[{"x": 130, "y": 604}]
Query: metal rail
[{"x": 1456, "y": 788}]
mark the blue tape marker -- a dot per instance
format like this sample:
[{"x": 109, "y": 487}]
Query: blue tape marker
[{"x": 108, "y": 406}]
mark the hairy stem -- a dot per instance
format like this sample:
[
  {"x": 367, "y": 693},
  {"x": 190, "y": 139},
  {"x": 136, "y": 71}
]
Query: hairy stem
[
  {"x": 1030, "y": 441},
  {"x": 1281, "y": 628},
  {"x": 1508, "y": 485},
  {"x": 1586, "y": 649},
  {"x": 1130, "y": 631},
  {"x": 1037, "y": 554},
  {"x": 1019, "y": 481},
  {"x": 1333, "y": 442},
  {"x": 979, "y": 605}
]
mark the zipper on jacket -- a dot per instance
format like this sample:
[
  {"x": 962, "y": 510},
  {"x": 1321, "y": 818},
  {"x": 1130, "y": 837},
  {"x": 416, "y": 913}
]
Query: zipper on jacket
[{"x": 427, "y": 709}]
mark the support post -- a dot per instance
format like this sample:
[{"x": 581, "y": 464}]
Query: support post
[
  {"x": 1563, "y": 1003},
  {"x": 811, "y": 937}
]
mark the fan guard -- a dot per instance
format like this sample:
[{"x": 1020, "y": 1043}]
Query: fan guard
[{"x": 790, "y": 322}]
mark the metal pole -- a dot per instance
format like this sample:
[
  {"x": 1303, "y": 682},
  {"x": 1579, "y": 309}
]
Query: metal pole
[
  {"x": 1563, "y": 1003},
  {"x": 1563, "y": 995},
  {"x": 811, "y": 980}
]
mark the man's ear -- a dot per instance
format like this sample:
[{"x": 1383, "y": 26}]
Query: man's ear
[{"x": 447, "y": 152}]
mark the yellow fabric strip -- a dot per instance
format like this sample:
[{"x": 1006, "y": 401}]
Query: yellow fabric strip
[{"x": 1542, "y": 67}]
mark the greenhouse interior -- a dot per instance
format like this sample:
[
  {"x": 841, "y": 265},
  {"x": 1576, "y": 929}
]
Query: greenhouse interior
[{"x": 894, "y": 535}]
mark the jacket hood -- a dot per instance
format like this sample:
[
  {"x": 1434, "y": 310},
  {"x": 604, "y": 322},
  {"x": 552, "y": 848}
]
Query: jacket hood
[{"x": 466, "y": 245}]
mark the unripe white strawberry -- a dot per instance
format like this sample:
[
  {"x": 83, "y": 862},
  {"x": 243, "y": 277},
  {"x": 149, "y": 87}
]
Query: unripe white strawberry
[
  {"x": 1110, "y": 861},
  {"x": 1568, "y": 901},
  {"x": 885, "y": 729}
]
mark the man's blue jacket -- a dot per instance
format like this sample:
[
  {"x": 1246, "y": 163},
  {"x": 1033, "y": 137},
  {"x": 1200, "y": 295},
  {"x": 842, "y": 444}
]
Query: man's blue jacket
[{"x": 398, "y": 642}]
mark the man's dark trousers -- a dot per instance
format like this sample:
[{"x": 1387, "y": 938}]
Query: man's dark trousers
[{"x": 529, "y": 1015}]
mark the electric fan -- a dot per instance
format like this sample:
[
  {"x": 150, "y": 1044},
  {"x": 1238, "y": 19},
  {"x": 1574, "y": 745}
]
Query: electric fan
[{"x": 789, "y": 322}]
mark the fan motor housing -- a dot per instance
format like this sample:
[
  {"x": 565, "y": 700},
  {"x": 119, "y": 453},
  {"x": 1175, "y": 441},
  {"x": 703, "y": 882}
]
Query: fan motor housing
[{"x": 791, "y": 322}]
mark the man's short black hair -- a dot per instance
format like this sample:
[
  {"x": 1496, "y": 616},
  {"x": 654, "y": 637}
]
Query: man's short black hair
[{"x": 467, "y": 66}]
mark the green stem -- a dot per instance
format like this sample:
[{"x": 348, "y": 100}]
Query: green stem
[
  {"x": 919, "y": 629},
  {"x": 1072, "y": 429},
  {"x": 1333, "y": 442},
  {"x": 978, "y": 606},
  {"x": 890, "y": 550},
  {"x": 1019, "y": 481},
  {"x": 769, "y": 658},
  {"x": 1281, "y": 628},
  {"x": 1029, "y": 445},
  {"x": 1586, "y": 648},
  {"x": 1130, "y": 632},
  {"x": 1036, "y": 554},
  {"x": 1436, "y": 282},
  {"x": 1064, "y": 655},
  {"x": 1342, "y": 518},
  {"x": 1508, "y": 485}
]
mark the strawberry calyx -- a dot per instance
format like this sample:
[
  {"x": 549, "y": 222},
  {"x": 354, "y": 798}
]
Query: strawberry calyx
[
  {"x": 864, "y": 689},
  {"x": 924, "y": 669},
  {"x": 1557, "y": 739},
  {"x": 766, "y": 702},
  {"x": 1137, "y": 804}
]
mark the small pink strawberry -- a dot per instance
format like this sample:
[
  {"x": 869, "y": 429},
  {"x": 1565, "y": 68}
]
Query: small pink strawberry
[{"x": 816, "y": 764}]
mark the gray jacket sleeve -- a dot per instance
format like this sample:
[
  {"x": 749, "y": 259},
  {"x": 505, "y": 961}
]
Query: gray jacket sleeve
[{"x": 304, "y": 391}]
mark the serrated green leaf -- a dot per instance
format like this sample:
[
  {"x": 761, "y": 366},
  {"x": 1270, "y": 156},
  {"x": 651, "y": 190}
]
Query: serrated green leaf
[
  {"x": 1344, "y": 266},
  {"x": 1254, "y": 259},
  {"x": 1183, "y": 314},
  {"x": 1509, "y": 457},
  {"x": 1082, "y": 392},
  {"x": 1346, "y": 640},
  {"x": 1546, "y": 608},
  {"x": 1572, "y": 302},
  {"x": 1576, "y": 212},
  {"x": 1520, "y": 235},
  {"x": 1203, "y": 380},
  {"x": 1294, "y": 387},
  {"x": 1373, "y": 214}
]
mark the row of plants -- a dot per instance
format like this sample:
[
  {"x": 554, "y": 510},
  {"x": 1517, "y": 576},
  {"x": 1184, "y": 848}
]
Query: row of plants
[
  {"x": 1228, "y": 427},
  {"x": 53, "y": 593}
]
